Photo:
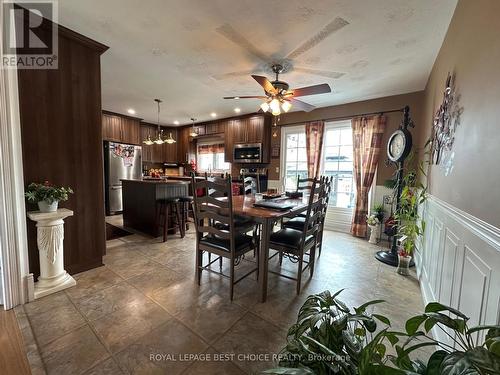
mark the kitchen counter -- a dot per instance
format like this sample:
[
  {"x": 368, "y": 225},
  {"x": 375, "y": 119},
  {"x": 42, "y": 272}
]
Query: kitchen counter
[
  {"x": 158, "y": 181},
  {"x": 140, "y": 199}
]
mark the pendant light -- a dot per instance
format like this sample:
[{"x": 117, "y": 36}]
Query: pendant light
[
  {"x": 193, "y": 132},
  {"x": 170, "y": 139},
  {"x": 148, "y": 141},
  {"x": 159, "y": 140}
]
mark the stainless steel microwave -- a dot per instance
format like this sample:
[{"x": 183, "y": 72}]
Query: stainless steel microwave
[{"x": 248, "y": 153}]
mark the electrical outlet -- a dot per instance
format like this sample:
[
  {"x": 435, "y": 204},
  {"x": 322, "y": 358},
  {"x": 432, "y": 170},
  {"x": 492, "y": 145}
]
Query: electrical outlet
[{"x": 277, "y": 169}]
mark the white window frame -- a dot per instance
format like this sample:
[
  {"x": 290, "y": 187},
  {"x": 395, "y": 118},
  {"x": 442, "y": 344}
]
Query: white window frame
[
  {"x": 337, "y": 218},
  {"x": 285, "y": 131},
  {"x": 211, "y": 141}
]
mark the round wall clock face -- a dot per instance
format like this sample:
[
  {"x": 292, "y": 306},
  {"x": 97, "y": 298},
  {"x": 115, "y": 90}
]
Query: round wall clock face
[{"x": 399, "y": 145}]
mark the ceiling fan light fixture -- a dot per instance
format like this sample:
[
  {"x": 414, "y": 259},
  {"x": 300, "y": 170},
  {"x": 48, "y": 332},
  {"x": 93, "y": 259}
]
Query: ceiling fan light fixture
[
  {"x": 274, "y": 105},
  {"x": 286, "y": 105},
  {"x": 264, "y": 106}
]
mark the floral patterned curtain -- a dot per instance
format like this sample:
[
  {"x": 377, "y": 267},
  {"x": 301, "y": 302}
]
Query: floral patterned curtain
[
  {"x": 314, "y": 144},
  {"x": 367, "y": 133},
  {"x": 215, "y": 148}
]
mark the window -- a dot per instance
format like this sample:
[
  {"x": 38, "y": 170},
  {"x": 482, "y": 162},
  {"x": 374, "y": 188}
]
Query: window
[
  {"x": 210, "y": 157},
  {"x": 295, "y": 161},
  {"x": 338, "y": 162}
]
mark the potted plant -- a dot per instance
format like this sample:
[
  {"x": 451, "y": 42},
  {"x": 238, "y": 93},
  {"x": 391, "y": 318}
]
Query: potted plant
[
  {"x": 46, "y": 195},
  {"x": 379, "y": 211},
  {"x": 410, "y": 224},
  {"x": 467, "y": 350},
  {"x": 331, "y": 338},
  {"x": 374, "y": 224}
]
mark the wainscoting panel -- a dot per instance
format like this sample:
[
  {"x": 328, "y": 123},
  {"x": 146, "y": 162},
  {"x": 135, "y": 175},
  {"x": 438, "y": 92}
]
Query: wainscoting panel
[{"x": 458, "y": 263}]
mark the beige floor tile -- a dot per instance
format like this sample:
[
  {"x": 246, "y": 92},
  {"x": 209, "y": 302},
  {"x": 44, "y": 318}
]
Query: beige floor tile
[
  {"x": 211, "y": 315},
  {"x": 109, "y": 300},
  {"x": 73, "y": 353},
  {"x": 52, "y": 317},
  {"x": 92, "y": 281},
  {"x": 213, "y": 364},
  {"x": 254, "y": 342},
  {"x": 107, "y": 367},
  {"x": 131, "y": 265},
  {"x": 123, "y": 327},
  {"x": 150, "y": 283},
  {"x": 162, "y": 351}
]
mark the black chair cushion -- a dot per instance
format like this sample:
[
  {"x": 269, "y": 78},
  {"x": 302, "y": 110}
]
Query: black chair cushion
[
  {"x": 288, "y": 237},
  {"x": 187, "y": 199},
  {"x": 240, "y": 222},
  {"x": 168, "y": 200},
  {"x": 296, "y": 223},
  {"x": 242, "y": 241}
]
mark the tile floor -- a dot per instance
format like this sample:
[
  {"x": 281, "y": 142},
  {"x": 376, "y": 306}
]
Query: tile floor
[{"x": 143, "y": 313}]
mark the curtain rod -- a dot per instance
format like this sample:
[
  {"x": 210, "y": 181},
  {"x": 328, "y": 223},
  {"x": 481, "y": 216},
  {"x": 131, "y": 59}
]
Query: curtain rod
[{"x": 344, "y": 117}]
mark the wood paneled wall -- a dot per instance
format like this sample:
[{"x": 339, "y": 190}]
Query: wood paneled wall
[{"x": 62, "y": 143}]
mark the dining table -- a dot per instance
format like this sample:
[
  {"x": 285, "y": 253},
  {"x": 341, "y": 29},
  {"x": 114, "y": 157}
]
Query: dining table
[{"x": 244, "y": 205}]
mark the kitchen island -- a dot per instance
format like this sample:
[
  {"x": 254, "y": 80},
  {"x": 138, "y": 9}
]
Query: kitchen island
[{"x": 140, "y": 201}]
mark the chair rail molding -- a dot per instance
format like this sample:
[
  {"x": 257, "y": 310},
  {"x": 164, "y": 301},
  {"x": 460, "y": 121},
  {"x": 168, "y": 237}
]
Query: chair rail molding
[
  {"x": 458, "y": 263},
  {"x": 13, "y": 237}
]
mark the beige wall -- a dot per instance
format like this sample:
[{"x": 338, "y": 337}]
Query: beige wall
[
  {"x": 471, "y": 49},
  {"x": 414, "y": 100}
]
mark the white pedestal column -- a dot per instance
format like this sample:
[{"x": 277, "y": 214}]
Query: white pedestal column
[{"x": 50, "y": 236}]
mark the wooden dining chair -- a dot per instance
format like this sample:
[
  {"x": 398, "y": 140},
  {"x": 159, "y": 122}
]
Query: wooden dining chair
[
  {"x": 304, "y": 183},
  {"x": 296, "y": 244},
  {"x": 216, "y": 231},
  {"x": 298, "y": 222},
  {"x": 326, "y": 198},
  {"x": 251, "y": 185}
]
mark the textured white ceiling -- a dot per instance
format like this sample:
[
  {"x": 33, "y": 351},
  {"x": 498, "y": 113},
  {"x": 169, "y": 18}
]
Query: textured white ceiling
[{"x": 186, "y": 51}]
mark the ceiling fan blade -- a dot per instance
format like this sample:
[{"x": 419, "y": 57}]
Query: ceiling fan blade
[
  {"x": 264, "y": 82},
  {"x": 322, "y": 73},
  {"x": 230, "y": 33},
  {"x": 301, "y": 105},
  {"x": 311, "y": 90},
  {"x": 335, "y": 25},
  {"x": 246, "y": 97}
]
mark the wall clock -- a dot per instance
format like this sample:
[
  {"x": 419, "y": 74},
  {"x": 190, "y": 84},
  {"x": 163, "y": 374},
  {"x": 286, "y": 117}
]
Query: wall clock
[
  {"x": 398, "y": 149},
  {"x": 399, "y": 145}
]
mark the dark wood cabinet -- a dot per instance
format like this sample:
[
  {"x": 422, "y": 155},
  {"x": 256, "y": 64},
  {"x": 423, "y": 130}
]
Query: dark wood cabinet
[
  {"x": 121, "y": 129},
  {"x": 250, "y": 129},
  {"x": 213, "y": 128},
  {"x": 164, "y": 153},
  {"x": 239, "y": 130},
  {"x": 170, "y": 149},
  {"x": 255, "y": 129},
  {"x": 61, "y": 137},
  {"x": 185, "y": 145}
]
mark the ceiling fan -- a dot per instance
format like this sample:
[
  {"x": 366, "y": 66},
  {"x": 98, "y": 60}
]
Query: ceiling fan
[{"x": 278, "y": 96}]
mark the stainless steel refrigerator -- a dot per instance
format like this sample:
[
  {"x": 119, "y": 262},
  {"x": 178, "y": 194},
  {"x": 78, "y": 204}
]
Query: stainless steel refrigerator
[{"x": 121, "y": 161}]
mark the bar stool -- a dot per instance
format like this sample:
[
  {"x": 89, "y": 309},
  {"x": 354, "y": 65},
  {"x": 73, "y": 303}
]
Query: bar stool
[
  {"x": 168, "y": 213},
  {"x": 186, "y": 204}
]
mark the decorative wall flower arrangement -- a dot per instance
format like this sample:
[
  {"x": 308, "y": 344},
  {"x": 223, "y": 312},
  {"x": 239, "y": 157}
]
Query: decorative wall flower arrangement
[{"x": 446, "y": 121}]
